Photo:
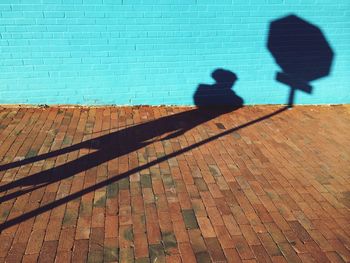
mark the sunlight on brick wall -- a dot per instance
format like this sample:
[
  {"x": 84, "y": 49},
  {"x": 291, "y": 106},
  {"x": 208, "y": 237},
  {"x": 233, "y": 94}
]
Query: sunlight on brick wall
[{"x": 157, "y": 51}]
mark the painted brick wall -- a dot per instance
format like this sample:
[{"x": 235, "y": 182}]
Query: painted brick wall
[{"x": 157, "y": 51}]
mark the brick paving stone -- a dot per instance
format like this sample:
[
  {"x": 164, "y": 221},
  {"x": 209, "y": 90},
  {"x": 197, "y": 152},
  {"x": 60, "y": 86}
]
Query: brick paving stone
[
  {"x": 186, "y": 252},
  {"x": 35, "y": 241},
  {"x": 156, "y": 252},
  {"x": 214, "y": 249},
  {"x": 242, "y": 247},
  {"x": 197, "y": 241},
  {"x": 63, "y": 256},
  {"x": 173, "y": 259},
  {"x": 110, "y": 250},
  {"x": 126, "y": 255},
  {"x": 48, "y": 252},
  {"x": 32, "y": 258},
  {"x": 111, "y": 184},
  {"x": 223, "y": 236},
  {"x": 190, "y": 219},
  {"x": 232, "y": 255},
  {"x": 180, "y": 231},
  {"x": 206, "y": 227},
  {"x": 170, "y": 243},
  {"x": 16, "y": 252}
]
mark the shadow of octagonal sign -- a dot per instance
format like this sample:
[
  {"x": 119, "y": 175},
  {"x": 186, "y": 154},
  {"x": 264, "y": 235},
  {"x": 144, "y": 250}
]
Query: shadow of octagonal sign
[{"x": 300, "y": 49}]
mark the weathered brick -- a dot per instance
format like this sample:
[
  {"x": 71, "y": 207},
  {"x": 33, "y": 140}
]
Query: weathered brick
[{"x": 264, "y": 205}]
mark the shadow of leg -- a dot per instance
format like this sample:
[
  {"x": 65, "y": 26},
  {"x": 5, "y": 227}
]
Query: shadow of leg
[{"x": 45, "y": 156}]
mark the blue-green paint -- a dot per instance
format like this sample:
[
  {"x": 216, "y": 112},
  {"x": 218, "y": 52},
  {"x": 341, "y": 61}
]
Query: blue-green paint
[{"x": 157, "y": 52}]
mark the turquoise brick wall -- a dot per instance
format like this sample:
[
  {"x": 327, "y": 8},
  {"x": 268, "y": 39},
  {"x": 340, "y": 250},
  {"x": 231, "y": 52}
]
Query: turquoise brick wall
[{"x": 157, "y": 51}]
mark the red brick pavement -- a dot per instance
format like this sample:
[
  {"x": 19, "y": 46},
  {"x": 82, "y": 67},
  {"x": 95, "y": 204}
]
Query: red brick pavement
[{"x": 165, "y": 184}]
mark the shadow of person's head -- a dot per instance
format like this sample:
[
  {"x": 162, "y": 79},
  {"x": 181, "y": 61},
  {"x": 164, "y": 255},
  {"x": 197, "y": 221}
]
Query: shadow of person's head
[
  {"x": 219, "y": 94},
  {"x": 224, "y": 78}
]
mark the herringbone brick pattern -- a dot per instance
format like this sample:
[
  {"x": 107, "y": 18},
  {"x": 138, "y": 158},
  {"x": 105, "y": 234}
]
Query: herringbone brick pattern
[{"x": 163, "y": 184}]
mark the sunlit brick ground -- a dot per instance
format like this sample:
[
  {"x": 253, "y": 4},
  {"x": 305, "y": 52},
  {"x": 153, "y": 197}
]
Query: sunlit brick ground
[{"x": 165, "y": 184}]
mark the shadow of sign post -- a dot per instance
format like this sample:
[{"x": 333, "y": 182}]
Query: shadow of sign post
[{"x": 302, "y": 52}]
